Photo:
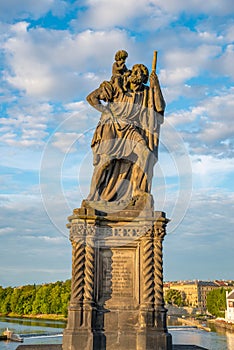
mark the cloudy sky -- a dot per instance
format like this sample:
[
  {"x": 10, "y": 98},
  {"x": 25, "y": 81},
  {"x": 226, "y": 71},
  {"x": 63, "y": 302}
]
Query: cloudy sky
[{"x": 52, "y": 54}]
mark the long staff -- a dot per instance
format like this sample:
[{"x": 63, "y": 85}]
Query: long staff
[{"x": 151, "y": 106}]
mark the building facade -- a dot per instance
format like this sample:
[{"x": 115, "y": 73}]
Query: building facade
[
  {"x": 194, "y": 293},
  {"x": 229, "y": 313}
]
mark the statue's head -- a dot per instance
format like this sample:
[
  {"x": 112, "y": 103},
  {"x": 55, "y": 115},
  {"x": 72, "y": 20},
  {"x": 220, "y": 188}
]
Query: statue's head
[
  {"x": 121, "y": 55},
  {"x": 140, "y": 70}
]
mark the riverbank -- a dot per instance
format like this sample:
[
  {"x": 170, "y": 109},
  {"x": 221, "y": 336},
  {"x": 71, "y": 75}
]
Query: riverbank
[
  {"x": 208, "y": 340},
  {"x": 207, "y": 325},
  {"x": 193, "y": 322},
  {"x": 52, "y": 317},
  {"x": 222, "y": 324}
]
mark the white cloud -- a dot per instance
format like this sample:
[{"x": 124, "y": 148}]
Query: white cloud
[
  {"x": 22, "y": 158},
  {"x": 26, "y": 124},
  {"x": 118, "y": 13},
  {"x": 30, "y": 8},
  {"x": 105, "y": 13},
  {"x": 224, "y": 64},
  {"x": 67, "y": 142},
  {"x": 211, "y": 169},
  {"x": 185, "y": 91},
  {"x": 229, "y": 32},
  {"x": 193, "y": 57},
  {"x": 184, "y": 64},
  {"x": 50, "y": 64},
  {"x": 50, "y": 239},
  {"x": 6, "y": 230},
  {"x": 211, "y": 7},
  {"x": 208, "y": 127},
  {"x": 205, "y": 229},
  {"x": 177, "y": 76}
]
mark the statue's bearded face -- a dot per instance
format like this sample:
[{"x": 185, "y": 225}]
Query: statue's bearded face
[{"x": 137, "y": 76}]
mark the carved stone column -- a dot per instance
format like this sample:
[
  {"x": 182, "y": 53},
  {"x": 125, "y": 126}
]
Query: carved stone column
[
  {"x": 80, "y": 331},
  {"x": 147, "y": 280},
  {"x": 160, "y": 312},
  {"x": 153, "y": 334},
  {"x": 77, "y": 237},
  {"x": 88, "y": 302}
]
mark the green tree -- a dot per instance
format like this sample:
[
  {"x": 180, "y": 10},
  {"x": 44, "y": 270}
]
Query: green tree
[
  {"x": 65, "y": 297},
  {"x": 1, "y": 297},
  {"x": 15, "y": 299},
  {"x": 6, "y": 300},
  {"x": 56, "y": 303},
  {"x": 41, "y": 304},
  {"x": 216, "y": 302},
  {"x": 27, "y": 298},
  {"x": 51, "y": 298},
  {"x": 174, "y": 297}
]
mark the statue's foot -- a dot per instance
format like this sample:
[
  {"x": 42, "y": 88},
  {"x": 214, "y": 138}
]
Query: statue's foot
[
  {"x": 142, "y": 201},
  {"x": 138, "y": 193}
]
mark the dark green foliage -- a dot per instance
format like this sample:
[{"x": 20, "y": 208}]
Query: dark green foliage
[
  {"x": 216, "y": 302},
  {"x": 52, "y": 298},
  {"x": 5, "y": 300},
  {"x": 174, "y": 297}
]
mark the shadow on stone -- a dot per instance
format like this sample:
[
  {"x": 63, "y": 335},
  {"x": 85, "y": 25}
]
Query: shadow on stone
[{"x": 59, "y": 347}]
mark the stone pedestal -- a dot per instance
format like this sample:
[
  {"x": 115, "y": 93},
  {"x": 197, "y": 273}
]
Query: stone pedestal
[{"x": 117, "y": 282}]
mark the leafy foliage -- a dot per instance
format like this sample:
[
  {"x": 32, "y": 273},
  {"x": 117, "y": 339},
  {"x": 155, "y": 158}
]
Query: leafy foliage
[
  {"x": 216, "y": 302},
  {"x": 174, "y": 297},
  {"x": 52, "y": 298}
]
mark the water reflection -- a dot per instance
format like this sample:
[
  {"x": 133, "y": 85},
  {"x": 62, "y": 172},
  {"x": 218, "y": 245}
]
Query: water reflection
[
  {"x": 214, "y": 340},
  {"x": 217, "y": 339},
  {"x": 33, "y": 322},
  {"x": 209, "y": 340},
  {"x": 230, "y": 340},
  {"x": 31, "y": 326}
]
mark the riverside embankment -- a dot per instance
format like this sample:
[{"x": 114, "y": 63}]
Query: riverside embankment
[{"x": 214, "y": 340}]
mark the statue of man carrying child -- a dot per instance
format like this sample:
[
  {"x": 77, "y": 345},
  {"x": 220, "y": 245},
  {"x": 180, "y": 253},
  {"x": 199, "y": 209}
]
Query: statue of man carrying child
[{"x": 125, "y": 142}]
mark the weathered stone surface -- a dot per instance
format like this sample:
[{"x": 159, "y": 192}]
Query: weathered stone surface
[
  {"x": 188, "y": 347},
  {"x": 117, "y": 283},
  {"x": 59, "y": 347},
  {"x": 40, "y": 347},
  {"x": 125, "y": 142}
]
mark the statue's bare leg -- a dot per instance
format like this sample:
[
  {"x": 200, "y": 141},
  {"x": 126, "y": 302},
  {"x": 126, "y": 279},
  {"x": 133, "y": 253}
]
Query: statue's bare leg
[
  {"x": 103, "y": 163},
  {"x": 143, "y": 157}
]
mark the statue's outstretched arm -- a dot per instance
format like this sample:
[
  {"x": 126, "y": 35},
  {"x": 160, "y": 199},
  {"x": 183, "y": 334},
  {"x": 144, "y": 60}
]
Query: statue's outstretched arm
[{"x": 94, "y": 99}]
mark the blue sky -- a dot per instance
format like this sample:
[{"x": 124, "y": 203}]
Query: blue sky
[{"x": 52, "y": 54}]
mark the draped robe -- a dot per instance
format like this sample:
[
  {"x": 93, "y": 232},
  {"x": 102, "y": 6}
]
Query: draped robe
[{"x": 132, "y": 119}]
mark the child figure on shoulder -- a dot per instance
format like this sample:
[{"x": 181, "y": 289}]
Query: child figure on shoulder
[{"x": 120, "y": 72}]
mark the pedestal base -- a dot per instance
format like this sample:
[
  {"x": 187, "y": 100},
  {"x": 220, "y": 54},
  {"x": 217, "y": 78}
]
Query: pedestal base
[
  {"x": 117, "y": 340},
  {"x": 154, "y": 340},
  {"x": 59, "y": 347},
  {"x": 117, "y": 282},
  {"x": 85, "y": 340}
]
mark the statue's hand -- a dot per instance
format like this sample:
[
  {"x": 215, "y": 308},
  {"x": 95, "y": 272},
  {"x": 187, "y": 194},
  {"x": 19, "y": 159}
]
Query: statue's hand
[{"x": 153, "y": 79}]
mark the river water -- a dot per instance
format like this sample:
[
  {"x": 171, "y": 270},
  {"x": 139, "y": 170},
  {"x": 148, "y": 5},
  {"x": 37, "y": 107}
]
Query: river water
[{"x": 52, "y": 334}]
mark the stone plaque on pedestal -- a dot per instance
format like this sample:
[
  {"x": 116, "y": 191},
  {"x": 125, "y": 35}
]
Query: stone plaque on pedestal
[{"x": 118, "y": 273}]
